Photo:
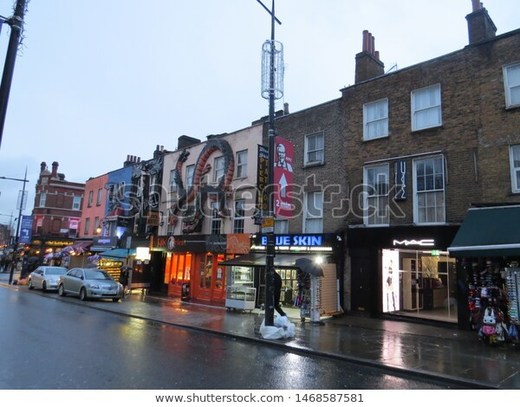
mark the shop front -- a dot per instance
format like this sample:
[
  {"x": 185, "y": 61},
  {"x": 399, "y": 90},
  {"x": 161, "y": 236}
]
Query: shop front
[
  {"x": 192, "y": 269},
  {"x": 404, "y": 271},
  {"x": 487, "y": 252},
  {"x": 300, "y": 290}
]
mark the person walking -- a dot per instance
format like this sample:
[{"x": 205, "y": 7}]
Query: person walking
[{"x": 277, "y": 284}]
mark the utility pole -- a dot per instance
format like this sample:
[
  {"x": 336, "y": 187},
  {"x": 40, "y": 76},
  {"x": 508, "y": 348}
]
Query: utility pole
[
  {"x": 269, "y": 92},
  {"x": 16, "y": 23}
]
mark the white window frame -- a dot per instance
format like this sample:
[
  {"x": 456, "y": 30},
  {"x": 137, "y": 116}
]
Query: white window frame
[
  {"x": 190, "y": 170},
  {"x": 376, "y": 181},
  {"x": 99, "y": 196},
  {"x": 314, "y": 151},
  {"x": 43, "y": 199},
  {"x": 76, "y": 203},
  {"x": 241, "y": 164},
  {"x": 90, "y": 198},
  {"x": 375, "y": 119},
  {"x": 430, "y": 200},
  {"x": 429, "y": 110},
  {"x": 512, "y": 85},
  {"x": 216, "y": 220},
  {"x": 313, "y": 215},
  {"x": 514, "y": 161},
  {"x": 281, "y": 226},
  {"x": 239, "y": 216},
  {"x": 218, "y": 172},
  {"x": 173, "y": 184}
]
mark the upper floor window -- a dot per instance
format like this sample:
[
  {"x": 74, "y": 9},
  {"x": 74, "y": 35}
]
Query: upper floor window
[
  {"x": 219, "y": 169},
  {"x": 512, "y": 85},
  {"x": 429, "y": 202},
  {"x": 241, "y": 164},
  {"x": 313, "y": 212},
  {"x": 173, "y": 181},
  {"x": 99, "y": 196},
  {"x": 76, "y": 203},
  {"x": 314, "y": 149},
  {"x": 514, "y": 159},
  {"x": 97, "y": 226},
  {"x": 190, "y": 170},
  {"x": 216, "y": 220},
  {"x": 90, "y": 198},
  {"x": 43, "y": 199},
  {"x": 426, "y": 108},
  {"x": 87, "y": 226},
  {"x": 240, "y": 214},
  {"x": 281, "y": 226},
  {"x": 376, "y": 181},
  {"x": 375, "y": 119}
]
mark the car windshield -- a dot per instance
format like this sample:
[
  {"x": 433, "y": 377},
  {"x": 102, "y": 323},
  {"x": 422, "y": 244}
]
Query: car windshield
[
  {"x": 55, "y": 270},
  {"x": 96, "y": 275}
]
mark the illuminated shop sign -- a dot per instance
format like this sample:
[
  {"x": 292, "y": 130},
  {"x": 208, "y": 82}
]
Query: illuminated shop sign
[
  {"x": 296, "y": 240},
  {"x": 415, "y": 242}
]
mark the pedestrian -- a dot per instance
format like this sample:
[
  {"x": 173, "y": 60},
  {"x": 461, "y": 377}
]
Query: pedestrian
[
  {"x": 277, "y": 284},
  {"x": 123, "y": 278}
]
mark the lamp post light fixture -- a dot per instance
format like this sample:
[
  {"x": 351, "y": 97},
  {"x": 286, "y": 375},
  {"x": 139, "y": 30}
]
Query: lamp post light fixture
[{"x": 21, "y": 203}]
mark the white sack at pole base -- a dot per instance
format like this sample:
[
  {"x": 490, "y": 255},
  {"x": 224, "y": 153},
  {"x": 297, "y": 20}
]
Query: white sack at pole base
[{"x": 282, "y": 328}]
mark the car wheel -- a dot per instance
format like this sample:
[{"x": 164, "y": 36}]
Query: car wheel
[
  {"x": 116, "y": 299},
  {"x": 44, "y": 286},
  {"x": 30, "y": 284},
  {"x": 83, "y": 294},
  {"x": 61, "y": 291}
]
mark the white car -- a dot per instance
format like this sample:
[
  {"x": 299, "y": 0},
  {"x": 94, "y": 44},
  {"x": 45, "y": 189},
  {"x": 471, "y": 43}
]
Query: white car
[
  {"x": 89, "y": 283},
  {"x": 46, "y": 277}
]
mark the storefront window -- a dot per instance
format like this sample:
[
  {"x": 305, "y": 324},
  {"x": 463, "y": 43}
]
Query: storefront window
[
  {"x": 419, "y": 283},
  {"x": 205, "y": 278}
]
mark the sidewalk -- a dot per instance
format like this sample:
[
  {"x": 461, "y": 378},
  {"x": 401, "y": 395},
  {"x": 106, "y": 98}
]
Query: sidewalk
[{"x": 424, "y": 350}]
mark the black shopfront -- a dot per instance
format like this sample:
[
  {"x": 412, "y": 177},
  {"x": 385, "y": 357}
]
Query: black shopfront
[{"x": 403, "y": 271}]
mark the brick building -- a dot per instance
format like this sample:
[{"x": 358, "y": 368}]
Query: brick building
[
  {"x": 401, "y": 156},
  {"x": 57, "y": 211}
]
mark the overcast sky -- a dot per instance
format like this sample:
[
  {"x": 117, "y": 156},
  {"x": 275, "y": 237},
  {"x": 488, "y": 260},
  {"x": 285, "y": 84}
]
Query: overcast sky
[{"x": 97, "y": 80}]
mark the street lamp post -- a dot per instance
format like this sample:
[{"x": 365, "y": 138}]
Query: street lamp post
[
  {"x": 268, "y": 92},
  {"x": 22, "y": 201}
]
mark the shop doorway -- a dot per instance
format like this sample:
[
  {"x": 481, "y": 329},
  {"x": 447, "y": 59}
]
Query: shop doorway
[{"x": 419, "y": 284}]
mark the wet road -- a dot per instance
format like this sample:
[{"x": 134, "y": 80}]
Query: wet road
[{"x": 51, "y": 343}]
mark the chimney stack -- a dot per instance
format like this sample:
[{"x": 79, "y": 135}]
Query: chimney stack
[
  {"x": 480, "y": 26},
  {"x": 368, "y": 64},
  {"x": 54, "y": 172}
]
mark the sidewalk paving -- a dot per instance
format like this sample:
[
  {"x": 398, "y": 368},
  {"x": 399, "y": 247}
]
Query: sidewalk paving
[{"x": 424, "y": 350}]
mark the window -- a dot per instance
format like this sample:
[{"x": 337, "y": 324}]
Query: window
[
  {"x": 219, "y": 169},
  {"x": 76, "y": 203},
  {"x": 240, "y": 213},
  {"x": 314, "y": 149},
  {"x": 96, "y": 225},
  {"x": 43, "y": 199},
  {"x": 241, "y": 164},
  {"x": 90, "y": 198},
  {"x": 429, "y": 202},
  {"x": 99, "y": 196},
  {"x": 173, "y": 182},
  {"x": 514, "y": 159},
  {"x": 512, "y": 85},
  {"x": 216, "y": 221},
  {"x": 375, "y": 119},
  {"x": 281, "y": 226},
  {"x": 426, "y": 108},
  {"x": 190, "y": 170},
  {"x": 87, "y": 226},
  {"x": 375, "y": 179},
  {"x": 313, "y": 212}
]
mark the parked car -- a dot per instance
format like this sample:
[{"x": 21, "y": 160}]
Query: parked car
[
  {"x": 45, "y": 277},
  {"x": 89, "y": 283}
]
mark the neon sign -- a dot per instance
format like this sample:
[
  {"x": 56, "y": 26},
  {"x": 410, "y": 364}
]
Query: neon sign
[{"x": 296, "y": 240}]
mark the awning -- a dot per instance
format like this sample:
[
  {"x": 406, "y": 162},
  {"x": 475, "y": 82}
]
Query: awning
[
  {"x": 259, "y": 259},
  {"x": 118, "y": 253},
  {"x": 488, "y": 232}
]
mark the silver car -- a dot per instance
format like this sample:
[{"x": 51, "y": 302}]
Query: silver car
[
  {"x": 46, "y": 277},
  {"x": 89, "y": 283}
]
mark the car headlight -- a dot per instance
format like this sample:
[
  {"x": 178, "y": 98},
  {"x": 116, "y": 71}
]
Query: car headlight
[{"x": 93, "y": 285}]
